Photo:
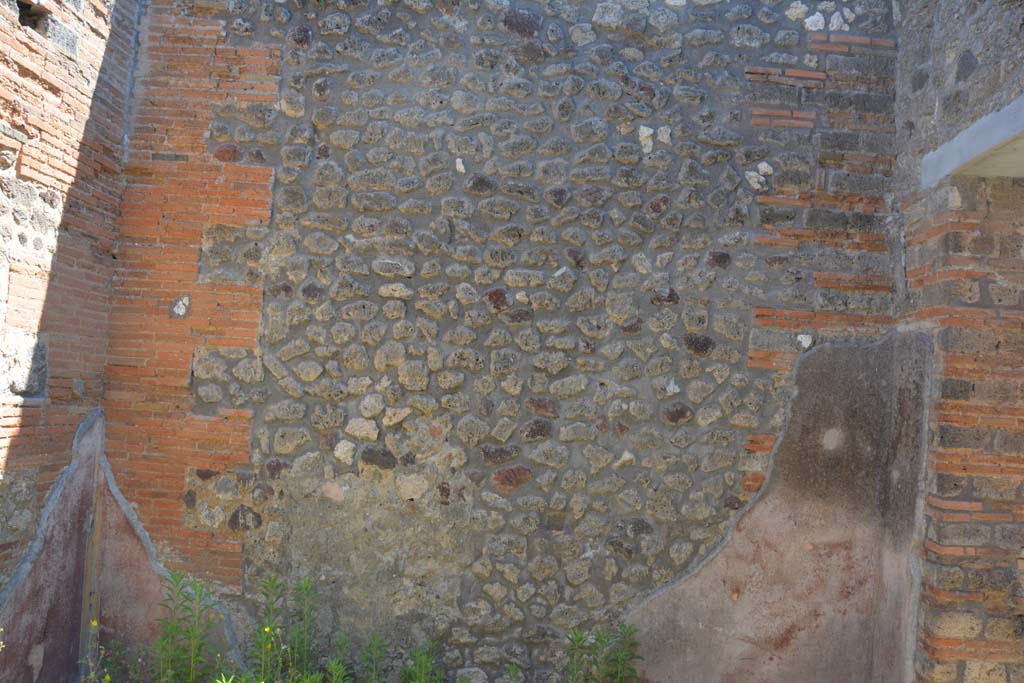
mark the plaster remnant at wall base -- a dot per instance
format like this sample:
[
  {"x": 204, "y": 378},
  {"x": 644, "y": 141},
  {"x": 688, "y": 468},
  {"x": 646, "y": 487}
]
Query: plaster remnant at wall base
[
  {"x": 41, "y": 604},
  {"x": 90, "y": 560},
  {"x": 815, "y": 583}
]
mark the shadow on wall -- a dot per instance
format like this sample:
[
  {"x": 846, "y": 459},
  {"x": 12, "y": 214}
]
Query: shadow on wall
[
  {"x": 61, "y": 178},
  {"x": 816, "y": 582}
]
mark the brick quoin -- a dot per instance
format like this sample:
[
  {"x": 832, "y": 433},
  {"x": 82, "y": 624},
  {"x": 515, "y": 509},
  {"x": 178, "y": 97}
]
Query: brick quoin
[
  {"x": 177, "y": 189},
  {"x": 963, "y": 255}
]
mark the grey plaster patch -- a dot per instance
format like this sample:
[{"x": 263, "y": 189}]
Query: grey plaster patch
[
  {"x": 991, "y": 145},
  {"x": 851, "y": 510}
]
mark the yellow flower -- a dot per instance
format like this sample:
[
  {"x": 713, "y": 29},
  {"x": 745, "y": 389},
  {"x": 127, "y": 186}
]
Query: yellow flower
[
  {"x": 107, "y": 678},
  {"x": 266, "y": 629},
  {"x": 94, "y": 623}
]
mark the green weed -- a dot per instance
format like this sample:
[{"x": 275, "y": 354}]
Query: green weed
[
  {"x": 424, "y": 668},
  {"x": 373, "y": 660},
  {"x": 300, "y": 633},
  {"x": 602, "y": 656},
  {"x": 183, "y": 649}
]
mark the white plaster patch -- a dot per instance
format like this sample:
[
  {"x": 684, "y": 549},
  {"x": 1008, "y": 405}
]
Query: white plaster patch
[
  {"x": 646, "y": 136},
  {"x": 665, "y": 135},
  {"x": 181, "y": 305},
  {"x": 459, "y": 165},
  {"x": 625, "y": 460},
  {"x": 833, "y": 438},
  {"x": 805, "y": 340}
]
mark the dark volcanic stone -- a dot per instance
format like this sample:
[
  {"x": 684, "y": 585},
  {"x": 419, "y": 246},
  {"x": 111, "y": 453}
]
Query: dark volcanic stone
[
  {"x": 668, "y": 298},
  {"x": 379, "y": 456},
  {"x": 699, "y": 344},
  {"x": 498, "y": 299},
  {"x": 677, "y": 413},
  {"x": 544, "y": 407},
  {"x": 508, "y": 479},
  {"x": 537, "y": 430},
  {"x": 719, "y": 259},
  {"x": 300, "y": 36},
  {"x": 495, "y": 455},
  {"x": 244, "y": 518},
  {"x": 522, "y": 23}
]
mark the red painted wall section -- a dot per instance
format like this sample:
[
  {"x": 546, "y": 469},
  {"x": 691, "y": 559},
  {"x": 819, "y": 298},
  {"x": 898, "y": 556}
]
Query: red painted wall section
[{"x": 41, "y": 606}]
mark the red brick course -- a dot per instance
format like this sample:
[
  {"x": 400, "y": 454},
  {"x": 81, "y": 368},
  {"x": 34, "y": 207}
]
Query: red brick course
[{"x": 186, "y": 74}]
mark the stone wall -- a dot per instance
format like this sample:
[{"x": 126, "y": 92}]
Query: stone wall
[
  {"x": 484, "y": 315},
  {"x": 529, "y": 291},
  {"x": 963, "y": 255}
]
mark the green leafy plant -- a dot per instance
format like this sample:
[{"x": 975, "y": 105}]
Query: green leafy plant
[
  {"x": 577, "y": 656},
  {"x": 300, "y": 634},
  {"x": 602, "y": 656},
  {"x": 423, "y": 668},
  {"x": 513, "y": 674},
  {"x": 284, "y": 649},
  {"x": 601, "y": 645},
  {"x": 623, "y": 656},
  {"x": 372, "y": 670},
  {"x": 183, "y": 647},
  {"x": 338, "y": 671},
  {"x": 338, "y": 668},
  {"x": 269, "y": 648},
  {"x": 198, "y": 628}
]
